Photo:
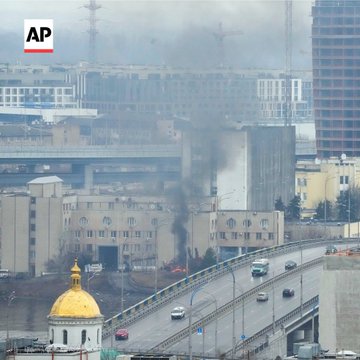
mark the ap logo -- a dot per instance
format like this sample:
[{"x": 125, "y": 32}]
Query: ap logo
[{"x": 38, "y": 36}]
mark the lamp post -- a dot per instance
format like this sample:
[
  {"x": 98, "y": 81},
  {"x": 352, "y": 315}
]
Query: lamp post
[
  {"x": 216, "y": 319},
  {"x": 89, "y": 278},
  {"x": 196, "y": 290},
  {"x": 233, "y": 313},
  {"x": 10, "y": 299},
  {"x": 218, "y": 202}
]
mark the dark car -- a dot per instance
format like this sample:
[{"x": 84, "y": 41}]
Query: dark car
[
  {"x": 122, "y": 334},
  {"x": 330, "y": 249},
  {"x": 288, "y": 292},
  {"x": 290, "y": 264}
]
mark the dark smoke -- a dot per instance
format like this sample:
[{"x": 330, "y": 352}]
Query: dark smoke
[{"x": 178, "y": 227}]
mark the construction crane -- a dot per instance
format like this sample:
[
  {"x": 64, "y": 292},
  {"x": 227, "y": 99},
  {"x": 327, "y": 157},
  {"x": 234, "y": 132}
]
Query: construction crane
[
  {"x": 288, "y": 61},
  {"x": 219, "y": 36}
]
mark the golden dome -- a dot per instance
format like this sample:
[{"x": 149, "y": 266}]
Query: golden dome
[{"x": 75, "y": 302}]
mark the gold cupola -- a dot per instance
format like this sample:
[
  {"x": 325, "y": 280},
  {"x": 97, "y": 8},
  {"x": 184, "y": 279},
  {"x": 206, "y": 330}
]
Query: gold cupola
[{"x": 75, "y": 302}]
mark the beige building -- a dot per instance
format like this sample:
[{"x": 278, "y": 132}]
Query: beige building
[
  {"x": 123, "y": 231},
  {"x": 322, "y": 180}
]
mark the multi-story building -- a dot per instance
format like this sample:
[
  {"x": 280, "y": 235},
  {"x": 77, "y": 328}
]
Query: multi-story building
[
  {"x": 117, "y": 230},
  {"x": 317, "y": 181},
  {"x": 271, "y": 95},
  {"x": 259, "y": 167},
  {"x": 336, "y": 76}
]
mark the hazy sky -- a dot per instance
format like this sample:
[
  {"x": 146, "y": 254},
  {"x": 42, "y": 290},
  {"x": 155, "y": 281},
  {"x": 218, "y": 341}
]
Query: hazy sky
[{"x": 162, "y": 32}]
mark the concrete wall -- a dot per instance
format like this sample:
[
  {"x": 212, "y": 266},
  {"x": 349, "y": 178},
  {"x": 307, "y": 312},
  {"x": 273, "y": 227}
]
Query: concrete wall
[
  {"x": 339, "y": 305},
  {"x": 15, "y": 233}
]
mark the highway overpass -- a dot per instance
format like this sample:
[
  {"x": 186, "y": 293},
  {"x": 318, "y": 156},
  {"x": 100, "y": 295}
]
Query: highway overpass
[
  {"x": 209, "y": 299},
  {"x": 90, "y": 164}
]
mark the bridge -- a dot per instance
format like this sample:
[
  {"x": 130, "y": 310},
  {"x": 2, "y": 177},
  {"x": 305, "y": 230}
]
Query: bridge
[
  {"x": 221, "y": 305},
  {"x": 90, "y": 164}
]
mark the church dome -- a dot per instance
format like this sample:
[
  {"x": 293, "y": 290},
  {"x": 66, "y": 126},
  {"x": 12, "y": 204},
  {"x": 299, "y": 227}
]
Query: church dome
[{"x": 75, "y": 302}]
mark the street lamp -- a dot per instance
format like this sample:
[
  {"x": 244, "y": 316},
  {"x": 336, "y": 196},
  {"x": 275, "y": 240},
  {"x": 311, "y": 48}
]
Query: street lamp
[
  {"x": 216, "y": 319},
  {"x": 196, "y": 290},
  {"x": 89, "y": 277},
  {"x": 10, "y": 299},
  {"x": 218, "y": 202},
  {"x": 233, "y": 312}
]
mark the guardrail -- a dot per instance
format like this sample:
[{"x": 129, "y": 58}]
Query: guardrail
[
  {"x": 164, "y": 296},
  {"x": 243, "y": 344},
  {"x": 228, "y": 306}
]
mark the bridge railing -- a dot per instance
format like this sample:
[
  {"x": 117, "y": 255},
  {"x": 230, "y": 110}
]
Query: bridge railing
[
  {"x": 228, "y": 306},
  {"x": 243, "y": 344},
  {"x": 164, "y": 296}
]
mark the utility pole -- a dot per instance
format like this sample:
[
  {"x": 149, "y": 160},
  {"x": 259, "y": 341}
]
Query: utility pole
[{"x": 92, "y": 6}]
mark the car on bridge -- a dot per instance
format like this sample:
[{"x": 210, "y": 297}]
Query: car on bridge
[
  {"x": 330, "y": 249},
  {"x": 288, "y": 292},
  {"x": 290, "y": 264},
  {"x": 178, "y": 313},
  {"x": 262, "y": 296},
  {"x": 122, "y": 334}
]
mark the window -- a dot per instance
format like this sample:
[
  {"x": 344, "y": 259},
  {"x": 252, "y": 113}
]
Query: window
[
  {"x": 271, "y": 236},
  {"x": 89, "y": 233},
  {"x": 149, "y": 235},
  {"x": 65, "y": 337},
  {"x": 131, "y": 221},
  {"x": 111, "y": 206},
  {"x": 89, "y": 248},
  {"x": 264, "y": 223},
  {"x": 246, "y": 223},
  {"x": 246, "y": 235},
  {"x": 113, "y": 233},
  {"x": 234, "y": 235},
  {"x": 137, "y": 234},
  {"x": 32, "y": 227},
  {"x": 83, "y": 337},
  {"x": 344, "y": 180},
  {"x": 32, "y": 241},
  {"x": 77, "y": 233},
  {"x": 107, "y": 221},
  {"x": 77, "y": 247},
  {"x": 126, "y": 234},
  {"x": 231, "y": 223},
  {"x": 101, "y": 233},
  {"x": 258, "y": 236},
  {"x": 33, "y": 200},
  {"x": 222, "y": 235},
  {"x": 32, "y": 214},
  {"x": 98, "y": 336},
  {"x": 83, "y": 221}
]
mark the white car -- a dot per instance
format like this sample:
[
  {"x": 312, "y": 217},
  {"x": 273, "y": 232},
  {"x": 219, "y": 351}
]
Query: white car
[
  {"x": 262, "y": 296},
  {"x": 178, "y": 313}
]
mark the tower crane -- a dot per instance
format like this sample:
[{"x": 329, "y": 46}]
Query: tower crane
[{"x": 219, "y": 36}]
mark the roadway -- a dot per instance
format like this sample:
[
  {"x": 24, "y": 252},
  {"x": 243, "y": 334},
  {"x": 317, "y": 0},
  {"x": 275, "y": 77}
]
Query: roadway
[{"x": 154, "y": 328}]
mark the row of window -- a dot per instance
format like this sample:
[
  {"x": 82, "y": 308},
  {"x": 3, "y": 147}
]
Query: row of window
[
  {"x": 35, "y": 91},
  {"x": 83, "y": 336},
  {"x": 132, "y": 248},
  {"x": 246, "y": 236},
  {"x": 113, "y": 234}
]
